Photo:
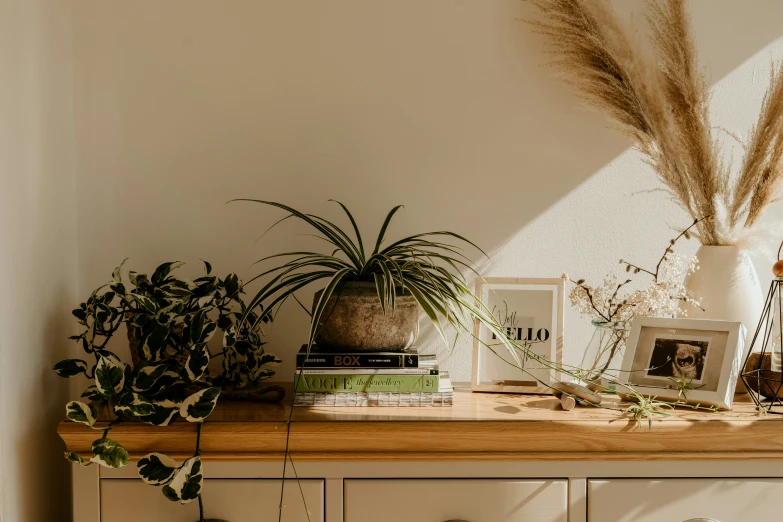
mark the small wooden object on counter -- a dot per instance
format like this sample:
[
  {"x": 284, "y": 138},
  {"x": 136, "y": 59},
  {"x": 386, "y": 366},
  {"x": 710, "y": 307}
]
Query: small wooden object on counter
[
  {"x": 567, "y": 402},
  {"x": 577, "y": 390}
]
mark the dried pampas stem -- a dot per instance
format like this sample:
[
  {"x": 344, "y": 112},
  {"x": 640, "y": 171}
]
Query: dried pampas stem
[{"x": 662, "y": 104}]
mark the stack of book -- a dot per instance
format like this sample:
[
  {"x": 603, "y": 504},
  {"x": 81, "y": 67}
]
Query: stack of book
[{"x": 332, "y": 378}]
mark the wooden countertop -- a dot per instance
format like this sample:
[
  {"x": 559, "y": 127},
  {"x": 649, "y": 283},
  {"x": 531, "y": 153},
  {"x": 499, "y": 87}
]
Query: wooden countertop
[{"x": 480, "y": 426}]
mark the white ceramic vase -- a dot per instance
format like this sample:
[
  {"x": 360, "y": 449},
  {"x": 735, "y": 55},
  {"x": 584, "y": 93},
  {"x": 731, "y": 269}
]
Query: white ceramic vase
[{"x": 728, "y": 289}]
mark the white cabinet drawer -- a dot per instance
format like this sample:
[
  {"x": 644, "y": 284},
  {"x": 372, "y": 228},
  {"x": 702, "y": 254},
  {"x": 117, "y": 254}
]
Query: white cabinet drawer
[
  {"x": 479, "y": 500},
  {"x": 235, "y": 500},
  {"x": 677, "y": 500}
]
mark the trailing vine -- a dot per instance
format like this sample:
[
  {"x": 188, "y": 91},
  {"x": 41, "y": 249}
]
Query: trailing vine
[{"x": 170, "y": 322}]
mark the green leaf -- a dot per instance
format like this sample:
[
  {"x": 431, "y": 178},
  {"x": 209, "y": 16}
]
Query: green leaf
[
  {"x": 198, "y": 406},
  {"x": 119, "y": 288},
  {"x": 70, "y": 367},
  {"x": 79, "y": 412},
  {"x": 149, "y": 378},
  {"x": 157, "y": 469},
  {"x": 382, "y": 233},
  {"x": 165, "y": 413},
  {"x": 154, "y": 344},
  {"x": 207, "y": 267},
  {"x": 197, "y": 325},
  {"x": 146, "y": 303},
  {"x": 109, "y": 376},
  {"x": 132, "y": 404},
  {"x": 76, "y": 458},
  {"x": 170, "y": 313},
  {"x": 109, "y": 453},
  {"x": 116, "y": 275},
  {"x": 92, "y": 393},
  {"x": 164, "y": 270},
  {"x": 231, "y": 283},
  {"x": 137, "y": 280},
  {"x": 321, "y": 305},
  {"x": 355, "y": 228},
  {"x": 177, "y": 289},
  {"x": 197, "y": 362},
  {"x": 186, "y": 485},
  {"x": 80, "y": 314}
]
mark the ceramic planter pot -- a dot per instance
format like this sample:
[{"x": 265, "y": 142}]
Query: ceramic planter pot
[
  {"x": 353, "y": 320},
  {"x": 728, "y": 289}
]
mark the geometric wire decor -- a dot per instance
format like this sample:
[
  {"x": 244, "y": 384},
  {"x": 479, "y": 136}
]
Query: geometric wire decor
[{"x": 762, "y": 371}]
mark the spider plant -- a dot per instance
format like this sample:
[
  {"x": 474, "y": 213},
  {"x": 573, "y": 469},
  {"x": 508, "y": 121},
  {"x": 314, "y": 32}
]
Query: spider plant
[{"x": 428, "y": 266}]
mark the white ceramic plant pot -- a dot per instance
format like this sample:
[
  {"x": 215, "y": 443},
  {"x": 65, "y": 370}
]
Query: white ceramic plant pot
[{"x": 728, "y": 289}]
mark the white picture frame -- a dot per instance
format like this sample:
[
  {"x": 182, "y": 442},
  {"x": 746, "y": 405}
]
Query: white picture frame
[
  {"x": 540, "y": 301},
  {"x": 708, "y": 353}
]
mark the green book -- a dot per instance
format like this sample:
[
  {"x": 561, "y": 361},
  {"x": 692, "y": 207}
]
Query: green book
[{"x": 366, "y": 383}]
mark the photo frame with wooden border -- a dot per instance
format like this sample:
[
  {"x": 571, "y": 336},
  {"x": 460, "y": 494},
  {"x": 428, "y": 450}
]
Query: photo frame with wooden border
[
  {"x": 528, "y": 307},
  {"x": 707, "y": 353}
]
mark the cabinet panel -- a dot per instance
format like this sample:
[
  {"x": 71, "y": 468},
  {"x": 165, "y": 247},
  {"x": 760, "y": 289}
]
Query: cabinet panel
[
  {"x": 471, "y": 500},
  {"x": 242, "y": 500},
  {"x": 678, "y": 500}
]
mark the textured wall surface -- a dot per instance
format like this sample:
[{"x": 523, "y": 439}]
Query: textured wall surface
[
  {"x": 38, "y": 257},
  {"x": 442, "y": 105}
]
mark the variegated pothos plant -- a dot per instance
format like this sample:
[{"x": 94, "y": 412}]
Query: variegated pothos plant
[{"x": 171, "y": 320}]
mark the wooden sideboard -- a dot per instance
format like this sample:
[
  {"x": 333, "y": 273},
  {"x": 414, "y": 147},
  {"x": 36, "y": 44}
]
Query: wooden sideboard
[{"x": 489, "y": 458}]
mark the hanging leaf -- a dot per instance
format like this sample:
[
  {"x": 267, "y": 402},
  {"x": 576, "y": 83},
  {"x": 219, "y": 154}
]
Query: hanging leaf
[
  {"x": 89, "y": 334},
  {"x": 109, "y": 453},
  {"x": 76, "y": 458},
  {"x": 155, "y": 342},
  {"x": 168, "y": 314},
  {"x": 231, "y": 284},
  {"x": 146, "y": 303},
  {"x": 197, "y": 362},
  {"x": 177, "y": 289},
  {"x": 118, "y": 288},
  {"x": 164, "y": 413},
  {"x": 109, "y": 376},
  {"x": 116, "y": 275},
  {"x": 229, "y": 337},
  {"x": 92, "y": 393},
  {"x": 207, "y": 266},
  {"x": 138, "y": 280},
  {"x": 80, "y": 314},
  {"x": 157, "y": 469},
  {"x": 80, "y": 412},
  {"x": 186, "y": 484},
  {"x": 154, "y": 378},
  {"x": 133, "y": 405},
  {"x": 70, "y": 367},
  {"x": 198, "y": 406},
  {"x": 197, "y": 324},
  {"x": 164, "y": 270}
]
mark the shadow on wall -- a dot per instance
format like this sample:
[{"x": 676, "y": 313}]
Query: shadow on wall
[
  {"x": 42, "y": 475},
  {"x": 441, "y": 105}
]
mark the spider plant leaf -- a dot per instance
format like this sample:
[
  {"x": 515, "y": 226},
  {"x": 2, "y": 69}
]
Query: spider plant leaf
[
  {"x": 409, "y": 239},
  {"x": 382, "y": 233},
  {"x": 321, "y": 304},
  {"x": 425, "y": 305},
  {"x": 345, "y": 243},
  {"x": 289, "y": 289},
  {"x": 355, "y": 228},
  {"x": 380, "y": 288},
  {"x": 321, "y": 225}
]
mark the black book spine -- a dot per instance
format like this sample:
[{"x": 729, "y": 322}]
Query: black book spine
[{"x": 357, "y": 360}]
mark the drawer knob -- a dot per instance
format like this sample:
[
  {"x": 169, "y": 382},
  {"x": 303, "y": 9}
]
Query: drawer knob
[
  {"x": 701, "y": 520},
  {"x": 460, "y": 520}
]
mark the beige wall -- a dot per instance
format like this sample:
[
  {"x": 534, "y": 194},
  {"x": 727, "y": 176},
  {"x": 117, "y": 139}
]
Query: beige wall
[
  {"x": 38, "y": 260},
  {"x": 441, "y": 105}
]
